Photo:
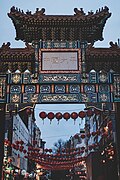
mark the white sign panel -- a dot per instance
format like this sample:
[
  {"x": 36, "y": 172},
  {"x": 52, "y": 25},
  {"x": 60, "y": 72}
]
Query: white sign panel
[{"x": 59, "y": 61}]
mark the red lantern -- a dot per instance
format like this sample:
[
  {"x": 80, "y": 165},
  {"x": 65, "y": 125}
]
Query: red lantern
[
  {"x": 30, "y": 148},
  {"x": 21, "y": 142},
  {"x": 82, "y": 136},
  {"x": 17, "y": 147},
  {"x": 13, "y": 145},
  {"x": 26, "y": 157},
  {"x": 24, "y": 151},
  {"x": 21, "y": 148},
  {"x": 50, "y": 150},
  {"x": 17, "y": 142},
  {"x": 7, "y": 142},
  {"x": 82, "y": 114},
  {"x": 82, "y": 148},
  {"x": 66, "y": 115},
  {"x": 74, "y": 116},
  {"x": 63, "y": 150},
  {"x": 46, "y": 150},
  {"x": 76, "y": 136},
  {"x": 89, "y": 112},
  {"x": 93, "y": 133},
  {"x": 34, "y": 142},
  {"x": 43, "y": 115},
  {"x": 28, "y": 111},
  {"x": 51, "y": 116},
  {"x": 58, "y": 116}
]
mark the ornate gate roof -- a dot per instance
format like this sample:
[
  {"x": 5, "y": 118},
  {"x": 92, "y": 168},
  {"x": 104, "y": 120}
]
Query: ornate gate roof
[
  {"x": 96, "y": 58},
  {"x": 16, "y": 58},
  {"x": 79, "y": 26},
  {"x": 103, "y": 58}
]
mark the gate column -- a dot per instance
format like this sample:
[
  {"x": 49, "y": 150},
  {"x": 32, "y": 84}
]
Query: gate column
[
  {"x": 118, "y": 137},
  {"x": 2, "y": 133}
]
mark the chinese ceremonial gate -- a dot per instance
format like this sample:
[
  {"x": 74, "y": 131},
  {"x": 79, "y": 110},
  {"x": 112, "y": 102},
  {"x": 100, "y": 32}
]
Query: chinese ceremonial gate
[{"x": 60, "y": 72}]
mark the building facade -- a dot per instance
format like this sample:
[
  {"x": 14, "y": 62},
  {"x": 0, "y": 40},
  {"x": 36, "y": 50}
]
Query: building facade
[
  {"x": 21, "y": 133},
  {"x": 101, "y": 143}
]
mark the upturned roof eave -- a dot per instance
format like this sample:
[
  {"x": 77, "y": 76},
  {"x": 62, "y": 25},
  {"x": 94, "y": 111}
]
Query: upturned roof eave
[{"x": 39, "y": 19}]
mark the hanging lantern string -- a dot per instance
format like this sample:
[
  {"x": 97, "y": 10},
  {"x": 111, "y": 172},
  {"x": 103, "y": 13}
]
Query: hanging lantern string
[
  {"x": 98, "y": 132},
  {"x": 64, "y": 159},
  {"x": 68, "y": 156},
  {"x": 67, "y": 115},
  {"x": 59, "y": 115}
]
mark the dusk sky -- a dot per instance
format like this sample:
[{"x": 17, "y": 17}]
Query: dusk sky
[
  {"x": 65, "y": 129},
  {"x": 52, "y": 132},
  {"x": 111, "y": 30}
]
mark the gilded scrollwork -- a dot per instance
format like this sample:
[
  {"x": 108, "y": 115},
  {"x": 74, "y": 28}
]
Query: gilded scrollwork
[
  {"x": 16, "y": 78},
  {"x": 103, "y": 97},
  {"x": 34, "y": 98},
  {"x": 58, "y": 88},
  {"x": 59, "y": 98},
  {"x": 58, "y": 78},
  {"x": 2, "y": 87},
  {"x": 15, "y": 98}
]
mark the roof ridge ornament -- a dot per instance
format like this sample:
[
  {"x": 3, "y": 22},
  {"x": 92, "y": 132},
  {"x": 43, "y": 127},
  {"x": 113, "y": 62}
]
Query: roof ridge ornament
[
  {"x": 113, "y": 45},
  {"x": 106, "y": 9},
  {"x": 76, "y": 10},
  {"x": 82, "y": 13},
  {"x": 28, "y": 46},
  {"x": 5, "y": 46},
  {"x": 90, "y": 45},
  {"x": 39, "y": 12},
  {"x": 79, "y": 12}
]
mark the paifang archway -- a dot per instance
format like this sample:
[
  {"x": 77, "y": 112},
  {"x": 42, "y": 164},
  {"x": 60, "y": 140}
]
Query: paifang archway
[{"x": 59, "y": 63}]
